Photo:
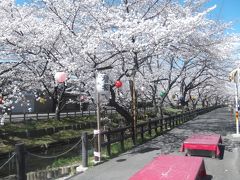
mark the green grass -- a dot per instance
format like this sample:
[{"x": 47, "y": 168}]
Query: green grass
[
  {"x": 115, "y": 151},
  {"x": 172, "y": 111},
  {"x": 5, "y": 147},
  {"x": 42, "y": 141},
  {"x": 66, "y": 161},
  {"x": 42, "y": 124},
  {"x": 66, "y": 134}
]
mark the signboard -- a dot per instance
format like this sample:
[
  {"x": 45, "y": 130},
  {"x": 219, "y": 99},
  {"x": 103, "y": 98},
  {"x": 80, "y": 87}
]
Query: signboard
[
  {"x": 102, "y": 83},
  {"x": 234, "y": 75}
]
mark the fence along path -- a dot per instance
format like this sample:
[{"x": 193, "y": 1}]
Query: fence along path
[
  {"x": 112, "y": 136},
  {"x": 20, "y": 117},
  {"x": 159, "y": 126},
  {"x": 42, "y": 116}
]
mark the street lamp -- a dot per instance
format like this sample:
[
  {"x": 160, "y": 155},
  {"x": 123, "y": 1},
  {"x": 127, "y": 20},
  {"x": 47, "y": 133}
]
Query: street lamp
[
  {"x": 1, "y": 111},
  {"x": 234, "y": 76},
  {"x": 102, "y": 87}
]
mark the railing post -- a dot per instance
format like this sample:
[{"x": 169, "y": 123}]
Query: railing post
[
  {"x": 84, "y": 149},
  {"x": 96, "y": 150},
  {"x": 149, "y": 128},
  {"x": 20, "y": 161},
  {"x": 181, "y": 119},
  {"x": 108, "y": 142},
  {"x": 142, "y": 135},
  {"x": 177, "y": 121},
  {"x": 122, "y": 140},
  {"x": 10, "y": 117},
  {"x": 161, "y": 125},
  {"x": 24, "y": 117},
  {"x": 166, "y": 124},
  {"x": 173, "y": 122},
  {"x": 155, "y": 127}
]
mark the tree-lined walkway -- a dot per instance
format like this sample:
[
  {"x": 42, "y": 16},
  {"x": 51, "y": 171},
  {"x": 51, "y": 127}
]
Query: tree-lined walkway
[{"x": 218, "y": 121}]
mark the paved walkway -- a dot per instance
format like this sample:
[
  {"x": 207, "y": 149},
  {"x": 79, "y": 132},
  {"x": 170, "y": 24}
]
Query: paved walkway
[{"x": 218, "y": 121}]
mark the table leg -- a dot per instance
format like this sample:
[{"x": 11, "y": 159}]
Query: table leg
[
  {"x": 213, "y": 154},
  {"x": 188, "y": 152}
]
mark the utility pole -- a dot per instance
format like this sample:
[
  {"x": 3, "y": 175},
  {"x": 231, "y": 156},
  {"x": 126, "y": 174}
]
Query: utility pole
[
  {"x": 236, "y": 99},
  {"x": 98, "y": 154},
  {"x": 234, "y": 76},
  {"x": 134, "y": 112},
  {"x": 101, "y": 88}
]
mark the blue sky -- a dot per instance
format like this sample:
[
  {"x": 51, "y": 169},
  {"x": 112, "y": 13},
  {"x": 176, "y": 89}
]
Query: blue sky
[
  {"x": 227, "y": 10},
  {"x": 21, "y": 1}
]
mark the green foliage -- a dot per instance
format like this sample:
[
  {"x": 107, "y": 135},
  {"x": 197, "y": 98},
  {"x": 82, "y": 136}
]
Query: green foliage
[
  {"x": 66, "y": 134},
  {"x": 42, "y": 141},
  {"x": 5, "y": 146},
  {"x": 65, "y": 161},
  {"x": 171, "y": 111},
  {"x": 150, "y": 114},
  {"x": 42, "y": 124}
]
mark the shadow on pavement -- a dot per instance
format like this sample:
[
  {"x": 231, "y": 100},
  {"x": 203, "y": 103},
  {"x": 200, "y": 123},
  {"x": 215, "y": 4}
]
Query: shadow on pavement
[
  {"x": 147, "y": 149},
  {"x": 208, "y": 177},
  {"x": 167, "y": 143},
  {"x": 121, "y": 160}
]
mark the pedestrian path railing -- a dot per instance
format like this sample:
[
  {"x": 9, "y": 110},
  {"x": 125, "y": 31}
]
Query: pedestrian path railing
[
  {"x": 5, "y": 163},
  {"x": 22, "y": 155},
  {"x": 108, "y": 138},
  {"x": 152, "y": 126},
  {"x": 23, "y": 117}
]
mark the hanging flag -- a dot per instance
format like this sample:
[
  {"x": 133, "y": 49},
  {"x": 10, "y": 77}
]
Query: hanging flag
[{"x": 234, "y": 75}]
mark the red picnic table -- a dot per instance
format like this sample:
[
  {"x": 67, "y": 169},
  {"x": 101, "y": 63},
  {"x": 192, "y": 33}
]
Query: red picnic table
[
  {"x": 209, "y": 142},
  {"x": 172, "y": 167}
]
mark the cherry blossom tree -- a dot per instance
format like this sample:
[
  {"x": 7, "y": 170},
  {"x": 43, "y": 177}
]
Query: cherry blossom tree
[{"x": 156, "y": 45}]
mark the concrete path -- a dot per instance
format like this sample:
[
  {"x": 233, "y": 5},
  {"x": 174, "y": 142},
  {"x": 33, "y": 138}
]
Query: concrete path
[{"x": 218, "y": 121}]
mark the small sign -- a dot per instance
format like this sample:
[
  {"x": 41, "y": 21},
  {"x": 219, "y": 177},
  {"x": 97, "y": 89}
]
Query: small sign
[
  {"x": 97, "y": 154},
  {"x": 96, "y": 131},
  {"x": 102, "y": 83}
]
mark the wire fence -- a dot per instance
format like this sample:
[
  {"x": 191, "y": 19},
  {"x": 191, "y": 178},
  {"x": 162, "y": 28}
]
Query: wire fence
[
  {"x": 55, "y": 156},
  {"x": 1, "y": 167},
  {"x": 32, "y": 162}
]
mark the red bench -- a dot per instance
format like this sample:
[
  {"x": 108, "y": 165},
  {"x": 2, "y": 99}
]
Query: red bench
[
  {"x": 203, "y": 142},
  {"x": 172, "y": 167}
]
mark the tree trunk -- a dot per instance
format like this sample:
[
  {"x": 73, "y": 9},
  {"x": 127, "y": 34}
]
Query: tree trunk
[
  {"x": 59, "y": 100},
  {"x": 123, "y": 112},
  {"x": 57, "y": 113},
  {"x": 194, "y": 106},
  {"x": 54, "y": 105},
  {"x": 155, "y": 106}
]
